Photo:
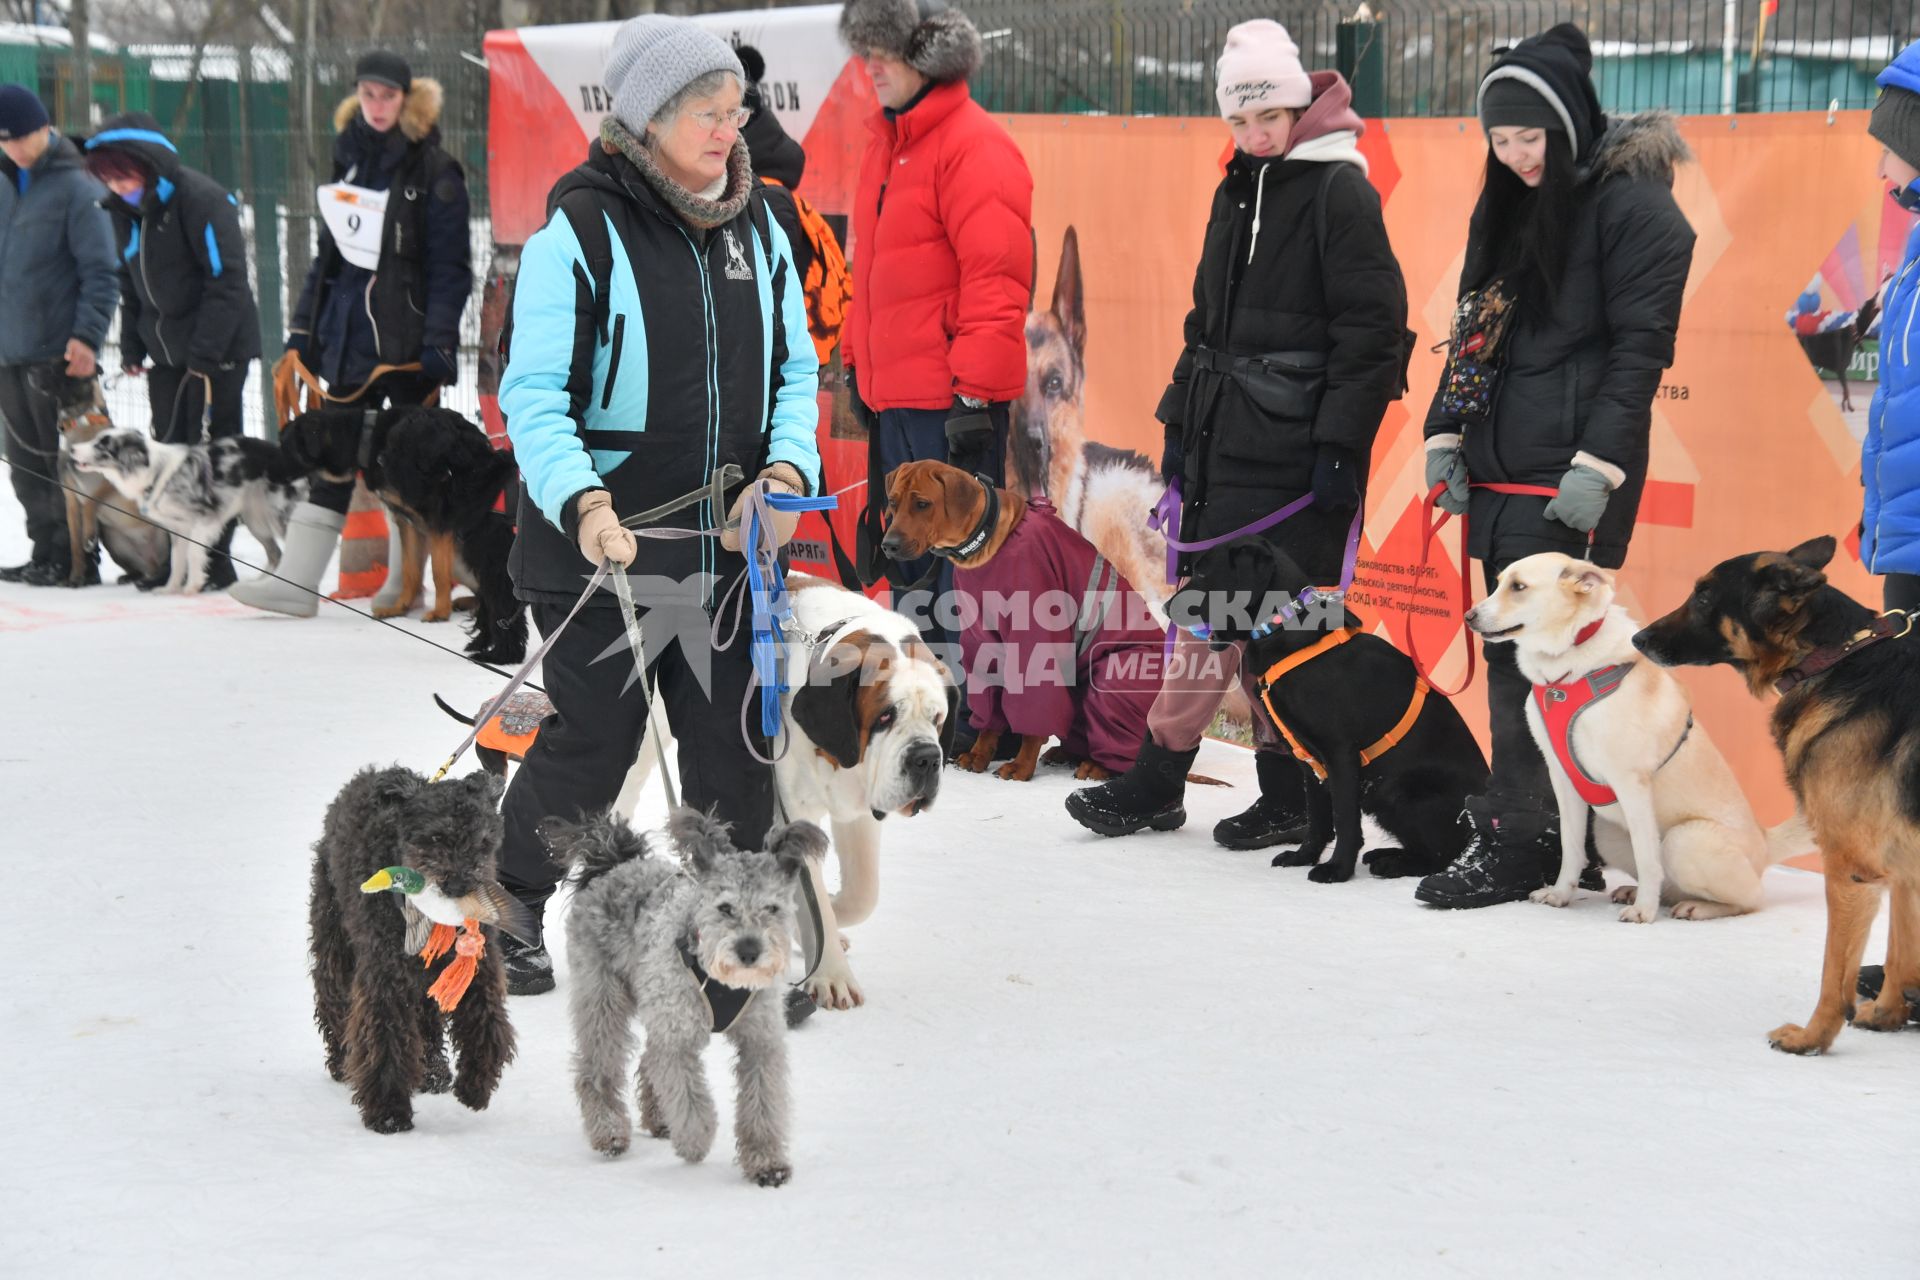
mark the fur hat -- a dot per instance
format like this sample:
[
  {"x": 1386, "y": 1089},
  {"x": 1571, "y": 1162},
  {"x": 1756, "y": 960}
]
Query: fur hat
[
  {"x": 1556, "y": 67},
  {"x": 940, "y": 43},
  {"x": 1260, "y": 68}
]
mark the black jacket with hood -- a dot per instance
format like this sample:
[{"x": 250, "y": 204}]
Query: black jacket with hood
[
  {"x": 1295, "y": 264},
  {"x": 184, "y": 297},
  {"x": 1580, "y": 380},
  {"x": 777, "y": 156},
  {"x": 355, "y": 318}
]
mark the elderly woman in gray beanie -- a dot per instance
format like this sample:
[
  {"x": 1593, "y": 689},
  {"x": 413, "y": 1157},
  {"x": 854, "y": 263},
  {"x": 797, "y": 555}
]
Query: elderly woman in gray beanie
[{"x": 658, "y": 333}]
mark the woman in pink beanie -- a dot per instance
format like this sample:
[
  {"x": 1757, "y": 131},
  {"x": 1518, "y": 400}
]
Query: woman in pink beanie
[{"x": 1296, "y": 263}]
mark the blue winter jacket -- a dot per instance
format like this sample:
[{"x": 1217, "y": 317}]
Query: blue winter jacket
[
  {"x": 696, "y": 355},
  {"x": 59, "y": 275},
  {"x": 1890, "y": 454}
]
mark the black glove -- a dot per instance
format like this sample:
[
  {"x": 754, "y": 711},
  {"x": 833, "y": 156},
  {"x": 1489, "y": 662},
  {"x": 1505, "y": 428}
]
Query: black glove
[
  {"x": 1173, "y": 458},
  {"x": 439, "y": 365},
  {"x": 1336, "y": 478},
  {"x": 298, "y": 343},
  {"x": 969, "y": 436}
]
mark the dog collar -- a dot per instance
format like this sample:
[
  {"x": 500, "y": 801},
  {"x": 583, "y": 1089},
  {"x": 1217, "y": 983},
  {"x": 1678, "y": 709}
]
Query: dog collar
[
  {"x": 1291, "y": 611},
  {"x": 724, "y": 1003},
  {"x": 1890, "y": 625},
  {"x": 1587, "y": 632},
  {"x": 984, "y": 530}
]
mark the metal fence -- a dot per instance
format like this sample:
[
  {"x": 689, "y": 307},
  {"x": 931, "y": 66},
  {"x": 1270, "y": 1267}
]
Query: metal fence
[{"x": 260, "y": 119}]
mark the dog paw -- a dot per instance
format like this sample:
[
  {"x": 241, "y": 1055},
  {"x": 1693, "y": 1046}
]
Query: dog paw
[
  {"x": 389, "y": 611},
  {"x": 1551, "y": 896},
  {"x": 974, "y": 760},
  {"x": 1053, "y": 756},
  {"x": 1793, "y": 1038},
  {"x": 1626, "y": 894},
  {"x": 473, "y": 1094},
  {"x": 435, "y": 615},
  {"x": 1014, "y": 771},
  {"x": 1879, "y": 1015},
  {"x": 1088, "y": 771},
  {"x": 1639, "y": 912},
  {"x": 389, "y": 1121},
  {"x": 1331, "y": 873},
  {"x": 1305, "y": 855},
  {"x": 835, "y": 989},
  {"x": 693, "y": 1149},
  {"x": 772, "y": 1176}
]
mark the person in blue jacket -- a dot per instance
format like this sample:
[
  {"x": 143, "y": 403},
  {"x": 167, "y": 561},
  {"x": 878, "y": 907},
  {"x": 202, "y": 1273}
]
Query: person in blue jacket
[
  {"x": 58, "y": 285},
  {"x": 1890, "y": 454},
  {"x": 659, "y": 332}
]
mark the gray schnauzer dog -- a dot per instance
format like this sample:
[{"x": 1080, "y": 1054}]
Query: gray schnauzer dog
[{"x": 688, "y": 950}]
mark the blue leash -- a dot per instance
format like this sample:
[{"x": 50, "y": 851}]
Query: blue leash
[{"x": 767, "y": 589}]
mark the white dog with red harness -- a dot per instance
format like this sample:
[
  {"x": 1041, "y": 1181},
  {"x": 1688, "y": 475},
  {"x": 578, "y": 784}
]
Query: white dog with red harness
[{"x": 1620, "y": 742}]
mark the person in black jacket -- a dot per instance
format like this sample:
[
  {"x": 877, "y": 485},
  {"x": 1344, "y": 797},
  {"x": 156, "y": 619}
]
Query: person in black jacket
[
  {"x": 617, "y": 403},
  {"x": 778, "y": 160},
  {"x": 1577, "y": 226},
  {"x": 403, "y": 309},
  {"x": 1296, "y": 263},
  {"x": 184, "y": 298}
]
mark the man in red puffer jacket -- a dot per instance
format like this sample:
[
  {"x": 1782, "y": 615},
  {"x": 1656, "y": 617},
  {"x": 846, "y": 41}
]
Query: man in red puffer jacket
[{"x": 935, "y": 340}]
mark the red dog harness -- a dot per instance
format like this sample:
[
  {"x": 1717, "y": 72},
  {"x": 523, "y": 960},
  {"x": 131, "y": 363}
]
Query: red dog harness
[{"x": 1561, "y": 703}]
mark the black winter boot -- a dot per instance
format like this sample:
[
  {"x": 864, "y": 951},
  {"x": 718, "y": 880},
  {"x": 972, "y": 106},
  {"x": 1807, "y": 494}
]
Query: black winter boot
[
  {"x": 1279, "y": 816},
  {"x": 1147, "y": 795},
  {"x": 529, "y": 967},
  {"x": 1505, "y": 859}
]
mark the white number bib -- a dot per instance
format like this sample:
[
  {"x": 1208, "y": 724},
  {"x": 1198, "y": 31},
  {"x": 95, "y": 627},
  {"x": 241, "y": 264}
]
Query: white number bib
[{"x": 355, "y": 216}]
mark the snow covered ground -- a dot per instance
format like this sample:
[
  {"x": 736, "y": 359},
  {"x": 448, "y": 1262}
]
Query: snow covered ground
[{"x": 1078, "y": 1058}]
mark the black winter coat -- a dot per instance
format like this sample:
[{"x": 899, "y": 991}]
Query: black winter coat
[
  {"x": 1344, "y": 309},
  {"x": 184, "y": 297},
  {"x": 414, "y": 299},
  {"x": 1582, "y": 379}
]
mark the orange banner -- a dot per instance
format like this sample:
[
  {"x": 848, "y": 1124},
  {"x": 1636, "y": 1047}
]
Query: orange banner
[{"x": 1751, "y": 448}]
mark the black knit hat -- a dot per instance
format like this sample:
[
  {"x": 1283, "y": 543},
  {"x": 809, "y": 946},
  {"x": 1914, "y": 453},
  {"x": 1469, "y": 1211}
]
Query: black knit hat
[
  {"x": 1546, "y": 82},
  {"x": 1895, "y": 123},
  {"x": 383, "y": 66}
]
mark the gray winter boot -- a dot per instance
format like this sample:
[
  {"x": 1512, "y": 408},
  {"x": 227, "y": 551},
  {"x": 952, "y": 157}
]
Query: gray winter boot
[{"x": 312, "y": 534}]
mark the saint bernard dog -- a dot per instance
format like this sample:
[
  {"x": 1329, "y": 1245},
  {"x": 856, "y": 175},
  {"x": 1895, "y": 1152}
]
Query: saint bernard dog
[{"x": 870, "y": 715}]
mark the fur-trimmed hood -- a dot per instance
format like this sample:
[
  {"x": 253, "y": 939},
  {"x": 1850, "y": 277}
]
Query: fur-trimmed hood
[
  {"x": 419, "y": 115},
  {"x": 940, "y": 43},
  {"x": 1647, "y": 145}
]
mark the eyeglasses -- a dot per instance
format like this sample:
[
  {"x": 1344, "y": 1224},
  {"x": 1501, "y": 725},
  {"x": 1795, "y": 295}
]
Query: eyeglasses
[{"x": 712, "y": 120}]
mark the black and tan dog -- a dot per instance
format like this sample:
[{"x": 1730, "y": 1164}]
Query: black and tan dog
[
  {"x": 1369, "y": 733},
  {"x": 439, "y": 477},
  {"x": 98, "y": 513},
  {"x": 1848, "y": 725}
]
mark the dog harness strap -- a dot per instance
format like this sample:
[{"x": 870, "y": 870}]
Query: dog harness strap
[
  {"x": 1379, "y": 747},
  {"x": 1560, "y": 705},
  {"x": 724, "y": 1003},
  {"x": 364, "y": 458},
  {"x": 1391, "y": 738}
]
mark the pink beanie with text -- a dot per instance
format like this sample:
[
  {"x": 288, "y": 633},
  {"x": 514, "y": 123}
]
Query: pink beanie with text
[{"x": 1260, "y": 68}]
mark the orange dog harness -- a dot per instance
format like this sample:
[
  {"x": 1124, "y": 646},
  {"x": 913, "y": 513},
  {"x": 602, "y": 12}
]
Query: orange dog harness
[{"x": 1293, "y": 661}]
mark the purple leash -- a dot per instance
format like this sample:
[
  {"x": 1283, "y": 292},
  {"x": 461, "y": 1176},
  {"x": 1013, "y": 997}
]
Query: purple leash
[{"x": 1165, "y": 518}]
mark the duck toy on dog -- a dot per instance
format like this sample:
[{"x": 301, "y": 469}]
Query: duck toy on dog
[{"x": 437, "y": 922}]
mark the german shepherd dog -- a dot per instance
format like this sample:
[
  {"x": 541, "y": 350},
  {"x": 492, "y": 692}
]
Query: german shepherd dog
[
  {"x": 439, "y": 476},
  {"x": 97, "y": 513},
  {"x": 1848, "y": 726},
  {"x": 1104, "y": 493}
]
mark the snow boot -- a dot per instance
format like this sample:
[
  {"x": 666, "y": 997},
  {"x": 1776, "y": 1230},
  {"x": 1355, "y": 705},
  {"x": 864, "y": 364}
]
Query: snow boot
[
  {"x": 1147, "y": 795},
  {"x": 529, "y": 967},
  {"x": 312, "y": 534},
  {"x": 1505, "y": 859},
  {"x": 1279, "y": 816},
  {"x": 1873, "y": 977}
]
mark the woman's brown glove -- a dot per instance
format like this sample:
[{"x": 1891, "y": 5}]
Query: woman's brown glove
[{"x": 599, "y": 532}]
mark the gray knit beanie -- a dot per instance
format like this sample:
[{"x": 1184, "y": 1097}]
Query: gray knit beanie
[{"x": 656, "y": 56}]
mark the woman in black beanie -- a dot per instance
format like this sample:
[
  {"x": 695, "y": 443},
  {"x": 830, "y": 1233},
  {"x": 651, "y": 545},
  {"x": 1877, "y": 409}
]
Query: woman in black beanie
[{"x": 1578, "y": 247}]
